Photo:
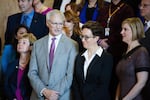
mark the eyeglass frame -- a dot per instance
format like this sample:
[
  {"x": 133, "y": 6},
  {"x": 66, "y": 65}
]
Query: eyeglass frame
[
  {"x": 55, "y": 23},
  {"x": 144, "y": 5},
  {"x": 86, "y": 37}
]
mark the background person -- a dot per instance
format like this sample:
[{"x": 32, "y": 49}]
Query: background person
[{"x": 40, "y": 7}]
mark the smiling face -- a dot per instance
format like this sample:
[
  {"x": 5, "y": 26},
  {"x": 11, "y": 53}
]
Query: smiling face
[
  {"x": 55, "y": 24},
  {"x": 25, "y": 5},
  {"x": 126, "y": 33}
]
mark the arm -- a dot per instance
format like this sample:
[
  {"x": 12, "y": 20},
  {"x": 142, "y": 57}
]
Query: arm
[{"x": 141, "y": 81}]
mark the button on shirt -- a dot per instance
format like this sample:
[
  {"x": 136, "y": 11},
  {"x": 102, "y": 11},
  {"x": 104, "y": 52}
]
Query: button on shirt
[{"x": 88, "y": 61}]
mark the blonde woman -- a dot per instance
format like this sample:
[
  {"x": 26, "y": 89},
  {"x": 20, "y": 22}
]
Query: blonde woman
[{"x": 133, "y": 69}]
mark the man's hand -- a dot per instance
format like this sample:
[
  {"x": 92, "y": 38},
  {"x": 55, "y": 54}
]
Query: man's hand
[{"x": 51, "y": 94}]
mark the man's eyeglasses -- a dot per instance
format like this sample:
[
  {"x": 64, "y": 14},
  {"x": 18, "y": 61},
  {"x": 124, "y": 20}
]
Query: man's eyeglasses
[
  {"x": 144, "y": 5},
  {"x": 85, "y": 37},
  {"x": 55, "y": 23}
]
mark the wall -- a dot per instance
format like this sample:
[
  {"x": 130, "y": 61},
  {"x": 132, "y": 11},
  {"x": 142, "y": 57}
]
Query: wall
[{"x": 9, "y": 7}]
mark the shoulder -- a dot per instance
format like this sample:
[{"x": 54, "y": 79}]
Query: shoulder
[
  {"x": 105, "y": 54},
  {"x": 15, "y": 15},
  {"x": 68, "y": 40},
  {"x": 38, "y": 15},
  {"x": 41, "y": 40}
]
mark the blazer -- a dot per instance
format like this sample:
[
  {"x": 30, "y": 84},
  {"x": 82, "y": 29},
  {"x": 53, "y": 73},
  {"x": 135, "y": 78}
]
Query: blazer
[
  {"x": 61, "y": 75},
  {"x": 146, "y": 40},
  {"x": 10, "y": 82},
  {"x": 38, "y": 26},
  {"x": 96, "y": 84}
]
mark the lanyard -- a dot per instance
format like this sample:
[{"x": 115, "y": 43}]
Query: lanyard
[{"x": 114, "y": 12}]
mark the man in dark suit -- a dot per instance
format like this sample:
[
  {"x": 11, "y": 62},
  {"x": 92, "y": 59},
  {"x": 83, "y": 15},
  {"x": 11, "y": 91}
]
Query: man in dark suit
[
  {"x": 145, "y": 12},
  {"x": 36, "y": 22}
]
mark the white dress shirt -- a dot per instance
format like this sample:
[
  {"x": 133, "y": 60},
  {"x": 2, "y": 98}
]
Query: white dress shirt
[{"x": 88, "y": 61}]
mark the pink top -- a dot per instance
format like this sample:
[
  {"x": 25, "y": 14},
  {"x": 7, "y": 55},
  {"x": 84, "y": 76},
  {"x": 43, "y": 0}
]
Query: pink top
[
  {"x": 46, "y": 11},
  {"x": 18, "y": 91}
]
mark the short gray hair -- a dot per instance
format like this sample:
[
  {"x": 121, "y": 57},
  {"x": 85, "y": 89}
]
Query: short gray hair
[{"x": 55, "y": 12}]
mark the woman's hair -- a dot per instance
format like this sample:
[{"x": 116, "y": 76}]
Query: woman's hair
[
  {"x": 95, "y": 27},
  {"x": 73, "y": 17},
  {"x": 74, "y": 7},
  {"x": 100, "y": 3},
  {"x": 136, "y": 26},
  {"x": 21, "y": 26},
  {"x": 30, "y": 36}
]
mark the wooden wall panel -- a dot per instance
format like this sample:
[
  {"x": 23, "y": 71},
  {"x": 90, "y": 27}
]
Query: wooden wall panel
[{"x": 9, "y": 7}]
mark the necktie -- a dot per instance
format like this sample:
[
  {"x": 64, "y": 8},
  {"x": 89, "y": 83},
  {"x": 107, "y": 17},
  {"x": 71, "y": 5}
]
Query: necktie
[
  {"x": 51, "y": 54},
  {"x": 24, "y": 22}
]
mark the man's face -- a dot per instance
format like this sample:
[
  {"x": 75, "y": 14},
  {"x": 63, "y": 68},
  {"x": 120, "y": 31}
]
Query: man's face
[
  {"x": 145, "y": 9},
  {"x": 55, "y": 25},
  {"x": 25, "y": 5}
]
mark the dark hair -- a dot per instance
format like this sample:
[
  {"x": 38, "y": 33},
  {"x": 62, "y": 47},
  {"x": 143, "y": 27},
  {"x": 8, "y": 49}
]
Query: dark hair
[
  {"x": 95, "y": 27},
  {"x": 15, "y": 41},
  {"x": 74, "y": 7},
  {"x": 21, "y": 26},
  {"x": 42, "y": 1},
  {"x": 100, "y": 4}
]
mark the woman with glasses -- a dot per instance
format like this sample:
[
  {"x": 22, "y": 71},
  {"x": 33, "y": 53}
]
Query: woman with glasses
[{"x": 93, "y": 67}]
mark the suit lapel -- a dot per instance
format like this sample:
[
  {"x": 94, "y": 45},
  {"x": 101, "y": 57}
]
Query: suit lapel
[
  {"x": 95, "y": 60},
  {"x": 45, "y": 49},
  {"x": 81, "y": 66},
  {"x": 34, "y": 20}
]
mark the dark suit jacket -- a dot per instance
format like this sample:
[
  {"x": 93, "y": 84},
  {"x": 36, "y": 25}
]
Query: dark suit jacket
[
  {"x": 146, "y": 41},
  {"x": 38, "y": 26},
  {"x": 11, "y": 82},
  {"x": 96, "y": 84}
]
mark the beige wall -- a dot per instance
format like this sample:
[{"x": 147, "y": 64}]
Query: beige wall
[{"x": 8, "y": 7}]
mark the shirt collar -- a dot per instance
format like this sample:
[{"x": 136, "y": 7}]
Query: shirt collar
[
  {"x": 57, "y": 37},
  {"x": 30, "y": 15},
  {"x": 98, "y": 52},
  {"x": 148, "y": 23}
]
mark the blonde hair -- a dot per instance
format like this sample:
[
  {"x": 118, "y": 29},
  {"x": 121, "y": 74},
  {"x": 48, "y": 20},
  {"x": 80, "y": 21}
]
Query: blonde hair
[
  {"x": 30, "y": 36},
  {"x": 136, "y": 26}
]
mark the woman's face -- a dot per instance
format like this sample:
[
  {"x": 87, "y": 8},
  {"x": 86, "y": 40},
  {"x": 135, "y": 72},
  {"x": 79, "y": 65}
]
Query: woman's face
[
  {"x": 126, "y": 33},
  {"x": 88, "y": 40},
  {"x": 23, "y": 45},
  {"x": 20, "y": 32},
  {"x": 69, "y": 25},
  {"x": 35, "y": 2}
]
